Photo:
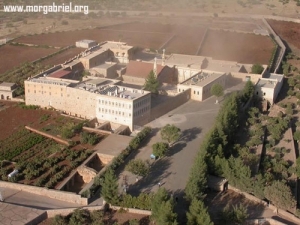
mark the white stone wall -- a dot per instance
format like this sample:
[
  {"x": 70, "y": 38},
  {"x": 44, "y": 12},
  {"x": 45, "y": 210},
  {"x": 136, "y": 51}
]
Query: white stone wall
[
  {"x": 117, "y": 110},
  {"x": 186, "y": 73}
]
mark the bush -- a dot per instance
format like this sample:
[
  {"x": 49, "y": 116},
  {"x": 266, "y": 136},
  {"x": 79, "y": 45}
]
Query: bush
[
  {"x": 138, "y": 167},
  {"x": 91, "y": 139},
  {"x": 257, "y": 69},
  {"x": 137, "y": 140},
  {"x": 160, "y": 149}
]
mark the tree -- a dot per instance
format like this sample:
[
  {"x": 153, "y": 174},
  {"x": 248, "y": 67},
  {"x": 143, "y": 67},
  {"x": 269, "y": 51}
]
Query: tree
[
  {"x": 235, "y": 215},
  {"x": 297, "y": 136},
  {"x": 160, "y": 149},
  {"x": 162, "y": 208},
  {"x": 80, "y": 216},
  {"x": 298, "y": 167},
  {"x": 217, "y": 90},
  {"x": 257, "y": 69},
  {"x": 138, "y": 167},
  {"x": 291, "y": 82},
  {"x": 170, "y": 133},
  {"x": 280, "y": 195},
  {"x": 151, "y": 83},
  {"x": 248, "y": 90},
  {"x": 197, "y": 182},
  {"x": 198, "y": 214},
  {"x": 109, "y": 189}
]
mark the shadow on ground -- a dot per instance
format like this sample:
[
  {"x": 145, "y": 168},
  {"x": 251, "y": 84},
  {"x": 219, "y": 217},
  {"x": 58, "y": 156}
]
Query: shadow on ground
[{"x": 157, "y": 173}]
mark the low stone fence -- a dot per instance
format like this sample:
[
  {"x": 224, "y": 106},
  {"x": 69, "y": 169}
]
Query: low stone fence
[
  {"x": 50, "y": 193},
  {"x": 248, "y": 196},
  {"x": 64, "y": 212},
  {"x": 98, "y": 131},
  {"x": 276, "y": 210},
  {"x": 264, "y": 221},
  {"x": 59, "y": 140},
  {"x": 131, "y": 210}
]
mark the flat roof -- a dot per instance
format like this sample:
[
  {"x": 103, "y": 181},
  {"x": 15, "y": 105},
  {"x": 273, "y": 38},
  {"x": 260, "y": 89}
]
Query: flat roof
[
  {"x": 202, "y": 79},
  {"x": 7, "y": 84},
  {"x": 93, "y": 54},
  {"x": 44, "y": 80},
  {"x": 223, "y": 66},
  {"x": 87, "y": 41},
  {"x": 109, "y": 88},
  {"x": 96, "y": 81},
  {"x": 179, "y": 59},
  {"x": 115, "y": 45},
  {"x": 113, "y": 144},
  {"x": 105, "y": 65},
  {"x": 278, "y": 77},
  {"x": 267, "y": 83}
]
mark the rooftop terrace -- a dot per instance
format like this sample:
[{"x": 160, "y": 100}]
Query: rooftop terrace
[
  {"x": 202, "y": 79},
  {"x": 185, "y": 60},
  {"x": 109, "y": 88},
  {"x": 267, "y": 83},
  {"x": 44, "y": 80}
]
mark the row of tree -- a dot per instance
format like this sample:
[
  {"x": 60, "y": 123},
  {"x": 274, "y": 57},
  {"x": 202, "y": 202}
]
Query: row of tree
[{"x": 214, "y": 151}]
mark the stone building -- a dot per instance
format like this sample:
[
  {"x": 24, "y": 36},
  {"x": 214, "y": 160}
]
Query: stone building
[
  {"x": 269, "y": 88},
  {"x": 95, "y": 98},
  {"x": 85, "y": 43},
  {"x": 137, "y": 72},
  {"x": 7, "y": 90},
  {"x": 201, "y": 83}
]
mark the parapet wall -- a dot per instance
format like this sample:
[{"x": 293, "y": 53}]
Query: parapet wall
[
  {"x": 50, "y": 193},
  {"x": 278, "y": 211}
]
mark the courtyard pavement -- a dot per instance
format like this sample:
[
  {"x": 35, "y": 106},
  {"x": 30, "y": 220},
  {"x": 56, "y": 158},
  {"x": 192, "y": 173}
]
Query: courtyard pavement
[{"x": 194, "y": 119}]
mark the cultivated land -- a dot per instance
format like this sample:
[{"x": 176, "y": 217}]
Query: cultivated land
[
  {"x": 288, "y": 31},
  {"x": 242, "y": 48},
  {"x": 22, "y": 149},
  {"x": 12, "y": 56},
  {"x": 62, "y": 57}
]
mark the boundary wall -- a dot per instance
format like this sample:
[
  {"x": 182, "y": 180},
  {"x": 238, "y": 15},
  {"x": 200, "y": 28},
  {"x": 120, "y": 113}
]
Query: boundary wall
[{"x": 50, "y": 193}]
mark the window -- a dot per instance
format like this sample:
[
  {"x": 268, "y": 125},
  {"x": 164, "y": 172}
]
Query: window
[
  {"x": 198, "y": 92},
  {"x": 194, "y": 92}
]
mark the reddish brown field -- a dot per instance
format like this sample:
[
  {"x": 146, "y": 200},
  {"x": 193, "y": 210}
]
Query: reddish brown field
[
  {"x": 62, "y": 57},
  {"x": 13, "y": 56},
  {"x": 242, "y": 48},
  {"x": 186, "y": 41},
  {"x": 12, "y": 117},
  {"x": 137, "y": 38},
  {"x": 288, "y": 31}
]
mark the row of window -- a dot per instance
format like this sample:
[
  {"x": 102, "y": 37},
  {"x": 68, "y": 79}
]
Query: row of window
[
  {"x": 140, "y": 103},
  {"x": 113, "y": 103},
  {"x": 115, "y": 112},
  {"x": 141, "y": 111}
]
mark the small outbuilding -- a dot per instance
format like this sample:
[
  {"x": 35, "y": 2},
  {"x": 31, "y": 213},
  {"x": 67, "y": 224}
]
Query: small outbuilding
[
  {"x": 86, "y": 43},
  {"x": 7, "y": 90},
  {"x": 217, "y": 183}
]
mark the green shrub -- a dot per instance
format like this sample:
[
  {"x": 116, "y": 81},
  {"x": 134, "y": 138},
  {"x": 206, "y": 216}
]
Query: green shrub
[{"x": 138, "y": 167}]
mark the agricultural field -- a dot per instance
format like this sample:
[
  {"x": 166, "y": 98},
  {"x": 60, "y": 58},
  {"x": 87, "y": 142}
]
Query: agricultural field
[
  {"x": 12, "y": 56},
  {"x": 186, "y": 41},
  {"x": 288, "y": 31},
  {"x": 61, "y": 57},
  {"x": 40, "y": 161},
  {"x": 144, "y": 39},
  {"x": 239, "y": 47}
]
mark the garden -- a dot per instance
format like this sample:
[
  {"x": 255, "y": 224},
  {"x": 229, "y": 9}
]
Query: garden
[{"x": 39, "y": 161}]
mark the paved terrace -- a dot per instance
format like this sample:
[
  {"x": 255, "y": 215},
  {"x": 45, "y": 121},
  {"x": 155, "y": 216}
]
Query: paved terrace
[{"x": 202, "y": 79}]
